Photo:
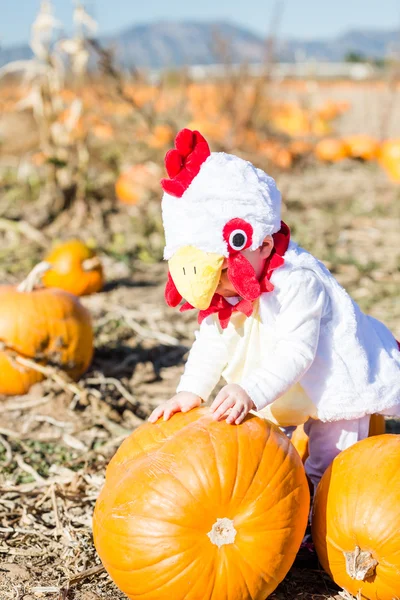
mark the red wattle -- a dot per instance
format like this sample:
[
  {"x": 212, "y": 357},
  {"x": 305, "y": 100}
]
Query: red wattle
[
  {"x": 171, "y": 294},
  {"x": 243, "y": 277}
]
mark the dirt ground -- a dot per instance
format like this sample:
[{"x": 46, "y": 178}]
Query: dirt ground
[{"x": 56, "y": 441}]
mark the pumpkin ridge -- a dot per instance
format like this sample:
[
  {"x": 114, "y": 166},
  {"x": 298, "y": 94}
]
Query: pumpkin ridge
[
  {"x": 239, "y": 567},
  {"x": 150, "y": 564},
  {"x": 276, "y": 504},
  {"x": 217, "y": 465},
  {"x": 236, "y": 454},
  {"x": 255, "y": 474},
  {"x": 270, "y": 482},
  {"x": 265, "y": 573}
]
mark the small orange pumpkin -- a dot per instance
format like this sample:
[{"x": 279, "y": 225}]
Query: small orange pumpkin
[
  {"x": 300, "y": 148},
  {"x": 299, "y": 440},
  {"x": 389, "y": 158},
  {"x": 356, "y": 516},
  {"x": 49, "y": 326},
  {"x": 75, "y": 268},
  {"x": 363, "y": 147},
  {"x": 194, "y": 508},
  {"x": 331, "y": 150},
  {"x": 134, "y": 184}
]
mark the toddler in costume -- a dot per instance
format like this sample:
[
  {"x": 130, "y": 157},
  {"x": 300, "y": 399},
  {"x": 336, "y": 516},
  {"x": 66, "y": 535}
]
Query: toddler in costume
[{"x": 287, "y": 338}]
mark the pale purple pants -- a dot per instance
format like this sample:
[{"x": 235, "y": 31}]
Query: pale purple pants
[{"x": 327, "y": 440}]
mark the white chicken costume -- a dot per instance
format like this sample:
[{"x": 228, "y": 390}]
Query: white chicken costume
[{"x": 293, "y": 340}]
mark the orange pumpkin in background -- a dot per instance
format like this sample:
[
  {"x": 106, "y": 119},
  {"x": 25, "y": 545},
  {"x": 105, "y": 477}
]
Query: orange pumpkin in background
[
  {"x": 193, "y": 508},
  {"x": 161, "y": 136},
  {"x": 389, "y": 158},
  {"x": 75, "y": 268},
  {"x": 49, "y": 326},
  {"x": 134, "y": 184},
  {"x": 331, "y": 150},
  {"x": 356, "y": 516},
  {"x": 363, "y": 147}
]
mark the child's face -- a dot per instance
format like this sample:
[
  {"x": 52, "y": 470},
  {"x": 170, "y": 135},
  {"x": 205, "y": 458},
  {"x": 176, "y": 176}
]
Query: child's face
[{"x": 257, "y": 260}]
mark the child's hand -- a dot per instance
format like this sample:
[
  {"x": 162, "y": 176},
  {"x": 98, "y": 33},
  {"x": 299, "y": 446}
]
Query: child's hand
[
  {"x": 232, "y": 402},
  {"x": 181, "y": 402}
]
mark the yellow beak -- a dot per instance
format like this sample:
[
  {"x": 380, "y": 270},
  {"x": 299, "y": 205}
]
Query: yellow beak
[{"x": 196, "y": 275}]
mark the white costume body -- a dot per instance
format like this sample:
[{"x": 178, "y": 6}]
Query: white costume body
[{"x": 307, "y": 355}]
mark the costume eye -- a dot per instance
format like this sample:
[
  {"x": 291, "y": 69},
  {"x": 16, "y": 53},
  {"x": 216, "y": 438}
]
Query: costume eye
[
  {"x": 238, "y": 234},
  {"x": 238, "y": 239}
]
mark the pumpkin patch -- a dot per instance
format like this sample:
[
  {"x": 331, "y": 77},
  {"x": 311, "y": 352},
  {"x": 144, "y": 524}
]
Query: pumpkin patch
[{"x": 194, "y": 508}]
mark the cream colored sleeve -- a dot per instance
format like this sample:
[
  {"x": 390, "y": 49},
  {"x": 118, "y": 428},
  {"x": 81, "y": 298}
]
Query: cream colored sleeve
[
  {"x": 297, "y": 328},
  {"x": 206, "y": 361}
]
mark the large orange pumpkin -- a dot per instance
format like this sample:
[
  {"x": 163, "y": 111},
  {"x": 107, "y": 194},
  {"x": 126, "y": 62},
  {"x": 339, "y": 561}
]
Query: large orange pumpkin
[
  {"x": 74, "y": 268},
  {"x": 389, "y": 157},
  {"x": 47, "y": 325},
  {"x": 299, "y": 439},
  {"x": 356, "y": 519},
  {"x": 194, "y": 508}
]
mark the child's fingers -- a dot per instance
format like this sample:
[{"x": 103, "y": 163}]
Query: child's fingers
[
  {"x": 219, "y": 399},
  {"x": 171, "y": 409},
  {"x": 223, "y": 408},
  {"x": 241, "y": 417},
  {"x": 156, "y": 414},
  {"x": 235, "y": 413}
]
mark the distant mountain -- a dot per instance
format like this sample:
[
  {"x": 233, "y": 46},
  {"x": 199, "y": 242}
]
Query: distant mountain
[
  {"x": 174, "y": 44},
  {"x": 370, "y": 43},
  {"x": 177, "y": 44}
]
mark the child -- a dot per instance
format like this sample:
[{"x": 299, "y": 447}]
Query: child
[{"x": 286, "y": 337}]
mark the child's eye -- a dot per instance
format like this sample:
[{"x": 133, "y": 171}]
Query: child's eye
[{"x": 238, "y": 239}]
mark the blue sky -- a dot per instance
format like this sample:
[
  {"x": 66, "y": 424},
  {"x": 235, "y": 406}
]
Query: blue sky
[{"x": 300, "y": 18}]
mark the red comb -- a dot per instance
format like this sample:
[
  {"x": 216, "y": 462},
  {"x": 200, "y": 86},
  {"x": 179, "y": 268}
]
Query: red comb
[{"x": 184, "y": 161}]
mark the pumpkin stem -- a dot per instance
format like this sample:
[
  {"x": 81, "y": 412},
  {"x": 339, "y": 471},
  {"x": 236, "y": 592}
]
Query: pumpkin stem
[
  {"x": 32, "y": 280},
  {"x": 222, "y": 532},
  {"x": 91, "y": 263},
  {"x": 360, "y": 564}
]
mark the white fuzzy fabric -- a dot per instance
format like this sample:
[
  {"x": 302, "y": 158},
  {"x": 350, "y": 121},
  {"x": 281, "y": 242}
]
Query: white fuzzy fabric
[
  {"x": 313, "y": 333},
  {"x": 226, "y": 187}
]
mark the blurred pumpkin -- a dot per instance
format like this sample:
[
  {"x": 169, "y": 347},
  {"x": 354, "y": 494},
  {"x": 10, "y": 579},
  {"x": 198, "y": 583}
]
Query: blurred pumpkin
[
  {"x": 135, "y": 183},
  {"x": 292, "y": 120},
  {"x": 356, "y": 516},
  {"x": 161, "y": 136},
  {"x": 331, "y": 150},
  {"x": 100, "y": 129},
  {"x": 364, "y": 147},
  {"x": 300, "y": 147},
  {"x": 389, "y": 158},
  {"x": 276, "y": 153},
  {"x": 75, "y": 268},
  {"x": 194, "y": 508},
  {"x": 320, "y": 127},
  {"x": 49, "y": 326}
]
